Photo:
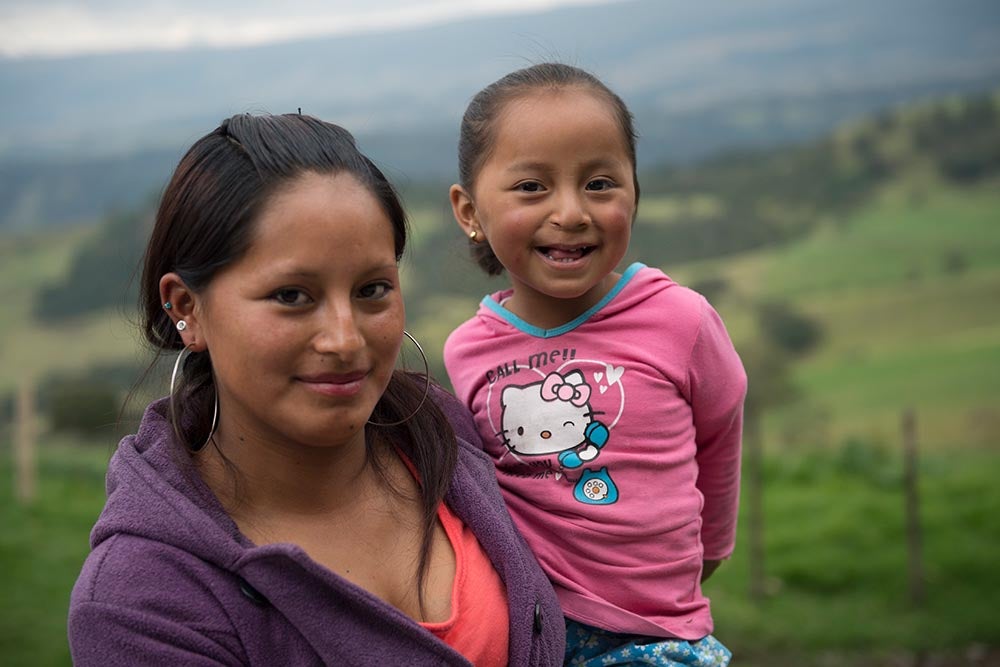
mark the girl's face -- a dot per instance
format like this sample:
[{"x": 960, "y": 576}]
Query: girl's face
[
  {"x": 303, "y": 331},
  {"x": 555, "y": 200}
]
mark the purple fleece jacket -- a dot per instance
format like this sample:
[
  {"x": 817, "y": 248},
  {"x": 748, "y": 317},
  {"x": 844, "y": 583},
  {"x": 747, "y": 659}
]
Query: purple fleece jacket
[{"x": 172, "y": 581}]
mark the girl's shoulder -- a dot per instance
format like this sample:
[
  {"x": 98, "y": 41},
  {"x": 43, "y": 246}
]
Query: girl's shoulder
[{"x": 655, "y": 298}]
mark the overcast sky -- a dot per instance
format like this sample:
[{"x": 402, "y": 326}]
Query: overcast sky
[{"x": 67, "y": 27}]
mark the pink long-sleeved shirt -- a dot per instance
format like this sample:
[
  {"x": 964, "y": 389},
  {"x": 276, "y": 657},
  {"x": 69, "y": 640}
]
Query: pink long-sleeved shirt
[{"x": 616, "y": 439}]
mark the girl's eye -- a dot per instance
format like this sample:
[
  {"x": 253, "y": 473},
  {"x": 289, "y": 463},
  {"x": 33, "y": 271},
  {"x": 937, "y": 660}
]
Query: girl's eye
[
  {"x": 530, "y": 186},
  {"x": 600, "y": 184},
  {"x": 289, "y": 296},
  {"x": 375, "y": 291}
]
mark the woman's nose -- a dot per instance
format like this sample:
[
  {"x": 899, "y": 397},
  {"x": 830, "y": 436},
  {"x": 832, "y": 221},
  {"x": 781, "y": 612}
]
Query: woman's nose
[{"x": 339, "y": 334}]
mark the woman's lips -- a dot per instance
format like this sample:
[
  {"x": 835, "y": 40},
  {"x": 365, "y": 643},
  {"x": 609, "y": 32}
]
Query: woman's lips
[{"x": 334, "y": 384}]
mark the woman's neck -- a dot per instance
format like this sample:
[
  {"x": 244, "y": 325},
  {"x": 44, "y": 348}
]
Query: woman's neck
[{"x": 253, "y": 476}]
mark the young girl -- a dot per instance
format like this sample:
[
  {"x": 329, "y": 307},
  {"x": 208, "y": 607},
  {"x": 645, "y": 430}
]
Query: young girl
[{"x": 611, "y": 403}]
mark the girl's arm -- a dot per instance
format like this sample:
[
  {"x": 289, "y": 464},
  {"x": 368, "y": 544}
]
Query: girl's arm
[
  {"x": 717, "y": 389},
  {"x": 708, "y": 567}
]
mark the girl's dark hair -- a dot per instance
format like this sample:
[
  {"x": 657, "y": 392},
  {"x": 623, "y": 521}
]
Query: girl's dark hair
[
  {"x": 478, "y": 131},
  {"x": 206, "y": 221}
]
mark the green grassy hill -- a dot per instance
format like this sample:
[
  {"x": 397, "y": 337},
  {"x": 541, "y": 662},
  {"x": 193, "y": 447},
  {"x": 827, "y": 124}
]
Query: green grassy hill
[{"x": 907, "y": 291}]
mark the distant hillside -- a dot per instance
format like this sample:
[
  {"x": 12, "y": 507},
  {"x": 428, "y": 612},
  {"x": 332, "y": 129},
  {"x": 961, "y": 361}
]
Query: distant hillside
[
  {"x": 730, "y": 204},
  {"x": 80, "y": 135}
]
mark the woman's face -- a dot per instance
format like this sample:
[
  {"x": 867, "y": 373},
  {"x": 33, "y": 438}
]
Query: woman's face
[{"x": 303, "y": 331}]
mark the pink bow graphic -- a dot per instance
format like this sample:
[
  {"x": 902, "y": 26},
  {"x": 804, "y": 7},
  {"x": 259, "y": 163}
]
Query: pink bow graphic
[{"x": 555, "y": 387}]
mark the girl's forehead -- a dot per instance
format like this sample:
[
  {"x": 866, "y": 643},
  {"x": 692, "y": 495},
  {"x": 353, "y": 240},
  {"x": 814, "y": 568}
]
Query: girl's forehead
[
  {"x": 541, "y": 105},
  {"x": 544, "y": 117},
  {"x": 550, "y": 98}
]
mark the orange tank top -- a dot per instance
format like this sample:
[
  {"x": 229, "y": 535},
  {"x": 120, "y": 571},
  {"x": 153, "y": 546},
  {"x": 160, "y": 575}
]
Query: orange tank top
[{"x": 478, "y": 625}]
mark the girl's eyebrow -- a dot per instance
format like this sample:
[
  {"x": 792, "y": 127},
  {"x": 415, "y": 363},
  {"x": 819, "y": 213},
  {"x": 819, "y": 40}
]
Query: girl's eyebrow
[
  {"x": 603, "y": 163},
  {"x": 535, "y": 165},
  {"x": 529, "y": 165}
]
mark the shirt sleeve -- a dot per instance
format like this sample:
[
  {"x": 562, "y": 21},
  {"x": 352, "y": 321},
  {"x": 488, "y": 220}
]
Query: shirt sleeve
[
  {"x": 718, "y": 385},
  {"x": 106, "y": 634}
]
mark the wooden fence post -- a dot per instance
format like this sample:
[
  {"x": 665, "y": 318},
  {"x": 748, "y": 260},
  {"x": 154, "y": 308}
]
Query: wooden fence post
[
  {"x": 755, "y": 497},
  {"x": 25, "y": 456},
  {"x": 914, "y": 536}
]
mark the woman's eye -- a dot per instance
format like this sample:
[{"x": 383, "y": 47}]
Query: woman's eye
[
  {"x": 600, "y": 184},
  {"x": 291, "y": 297},
  {"x": 530, "y": 186},
  {"x": 375, "y": 290}
]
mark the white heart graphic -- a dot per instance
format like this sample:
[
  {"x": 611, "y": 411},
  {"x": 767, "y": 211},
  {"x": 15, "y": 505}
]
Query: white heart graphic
[
  {"x": 598, "y": 376},
  {"x": 602, "y": 387},
  {"x": 614, "y": 374}
]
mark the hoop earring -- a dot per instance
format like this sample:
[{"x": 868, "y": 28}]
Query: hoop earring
[
  {"x": 173, "y": 416},
  {"x": 427, "y": 386}
]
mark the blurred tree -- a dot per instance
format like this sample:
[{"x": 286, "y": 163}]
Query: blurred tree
[
  {"x": 83, "y": 407},
  {"x": 787, "y": 329},
  {"x": 784, "y": 336},
  {"x": 105, "y": 265}
]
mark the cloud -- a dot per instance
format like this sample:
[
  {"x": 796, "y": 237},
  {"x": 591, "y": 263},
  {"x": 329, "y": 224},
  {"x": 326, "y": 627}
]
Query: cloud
[{"x": 60, "y": 28}]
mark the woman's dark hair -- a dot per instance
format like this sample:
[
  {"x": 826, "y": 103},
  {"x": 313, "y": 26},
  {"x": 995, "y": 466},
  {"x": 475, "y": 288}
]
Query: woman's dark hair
[
  {"x": 478, "y": 131},
  {"x": 206, "y": 221}
]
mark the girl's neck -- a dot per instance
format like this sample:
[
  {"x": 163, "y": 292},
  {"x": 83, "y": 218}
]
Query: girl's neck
[{"x": 550, "y": 312}]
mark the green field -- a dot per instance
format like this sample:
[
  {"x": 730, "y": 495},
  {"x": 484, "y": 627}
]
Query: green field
[
  {"x": 837, "y": 561},
  {"x": 42, "y": 548}
]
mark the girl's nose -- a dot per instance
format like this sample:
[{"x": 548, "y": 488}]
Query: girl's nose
[{"x": 570, "y": 212}]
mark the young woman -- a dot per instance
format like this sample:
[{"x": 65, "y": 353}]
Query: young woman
[{"x": 296, "y": 500}]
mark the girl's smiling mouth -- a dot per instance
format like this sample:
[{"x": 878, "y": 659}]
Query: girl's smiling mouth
[{"x": 561, "y": 253}]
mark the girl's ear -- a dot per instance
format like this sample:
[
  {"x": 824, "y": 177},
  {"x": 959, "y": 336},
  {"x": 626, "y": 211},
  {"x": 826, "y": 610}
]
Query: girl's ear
[
  {"x": 464, "y": 210},
  {"x": 182, "y": 305}
]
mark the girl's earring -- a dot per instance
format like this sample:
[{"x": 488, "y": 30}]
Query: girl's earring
[
  {"x": 167, "y": 305},
  {"x": 474, "y": 236},
  {"x": 181, "y": 325}
]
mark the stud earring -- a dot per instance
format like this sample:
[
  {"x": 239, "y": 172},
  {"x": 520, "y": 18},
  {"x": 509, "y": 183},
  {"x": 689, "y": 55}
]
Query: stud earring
[
  {"x": 167, "y": 305},
  {"x": 181, "y": 325},
  {"x": 474, "y": 236}
]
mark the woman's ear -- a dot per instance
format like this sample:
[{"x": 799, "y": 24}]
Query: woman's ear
[
  {"x": 182, "y": 306},
  {"x": 464, "y": 210}
]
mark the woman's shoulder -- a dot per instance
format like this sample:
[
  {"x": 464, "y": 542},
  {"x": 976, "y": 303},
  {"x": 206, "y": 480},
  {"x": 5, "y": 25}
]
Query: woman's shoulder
[
  {"x": 458, "y": 416},
  {"x": 134, "y": 571},
  {"x": 135, "y": 593}
]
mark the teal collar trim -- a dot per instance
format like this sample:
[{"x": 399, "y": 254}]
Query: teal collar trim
[{"x": 538, "y": 332}]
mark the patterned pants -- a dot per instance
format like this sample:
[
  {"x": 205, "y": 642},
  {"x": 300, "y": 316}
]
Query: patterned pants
[{"x": 587, "y": 646}]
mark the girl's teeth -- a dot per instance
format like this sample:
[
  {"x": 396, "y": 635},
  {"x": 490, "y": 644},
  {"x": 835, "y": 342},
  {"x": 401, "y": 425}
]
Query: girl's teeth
[{"x": 564, "y": 255}]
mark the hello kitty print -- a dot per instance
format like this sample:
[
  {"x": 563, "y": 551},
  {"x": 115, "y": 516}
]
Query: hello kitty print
[{"x": 556, "y": 423}]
